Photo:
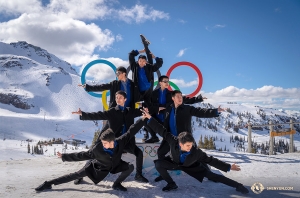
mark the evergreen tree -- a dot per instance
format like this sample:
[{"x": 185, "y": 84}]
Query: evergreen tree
[
  {"x": 28, "y": 147},
  {"x": 95, "y": 138},
  {"x": 211, "y": 143},
  {"x": 206, "y": 143},
  {"x": 200, "y": 143}
]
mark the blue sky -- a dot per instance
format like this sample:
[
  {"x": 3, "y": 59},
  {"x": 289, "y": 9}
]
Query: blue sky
[{"x": 247, "y": 51}]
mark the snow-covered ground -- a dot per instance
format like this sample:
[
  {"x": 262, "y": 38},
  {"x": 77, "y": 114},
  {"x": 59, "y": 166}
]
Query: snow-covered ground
[{"x": 22, "y": 172}]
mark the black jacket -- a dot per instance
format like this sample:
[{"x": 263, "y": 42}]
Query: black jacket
[
  {"x": 193, "y": 159},
  {"x": 104, "y": 163},
  {"x": 155, "y": 100},
  {"x": 115, "y": 116},
  {"x": 184, "y": 115},
  {"x": 149, "y": 69},
  {"x": 113, "y": 87}
]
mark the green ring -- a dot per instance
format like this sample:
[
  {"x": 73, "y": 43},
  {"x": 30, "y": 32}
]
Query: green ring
[{"x": 171, "y": 83}]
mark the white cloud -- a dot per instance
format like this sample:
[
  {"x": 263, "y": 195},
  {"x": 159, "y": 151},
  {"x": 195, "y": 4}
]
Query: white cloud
[
  {"x": 69, "y": 39},
  {"x": 18, "y": 7},
  {"x": 140, "y": 13},
  {"x": 217, "y": 26},
  {"x": 182, "y": 21},
  {"x": 181, "y": 83},
  {"x": 103, "y": 73},
  {"x": 181, "y": 52},
  {"x": 268, "y": 96},
  {"x": 119, "y": 37},
  {"x": 60, "y": 28}
]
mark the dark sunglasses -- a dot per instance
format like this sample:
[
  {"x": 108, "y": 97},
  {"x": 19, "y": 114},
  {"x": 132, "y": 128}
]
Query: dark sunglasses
[
  {"x": 118, "y": 73},
  {"x": 166, "y": 81}
]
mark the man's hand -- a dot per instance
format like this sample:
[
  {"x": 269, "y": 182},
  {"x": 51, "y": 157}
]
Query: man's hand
[
  {"x": 80, "y": 85},
  {"x": 59, "y": 155},
  {"x": 153, "y": 56},
  {"x": 142, "y": 51},
  {"x": 79, "y": 112},
  {"x": 221, "y": 109},
  {"x": 161, "y": 108},
  {"x": 235, "y": 167},
  {"x": 145, "y": 114}
]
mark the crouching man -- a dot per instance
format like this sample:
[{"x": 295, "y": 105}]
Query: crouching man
[
  {"x": 106, "y": 155},
  {"x": 186, "y": 156}
]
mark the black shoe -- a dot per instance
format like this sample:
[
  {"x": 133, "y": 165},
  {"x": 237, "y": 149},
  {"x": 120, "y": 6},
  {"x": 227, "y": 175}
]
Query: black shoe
[
  {"x": 152, "y": 140},
  {"x": 118, "y": 186},
  {"x": 144, "y": 40},
  {"x": 78, "y": 181},
  {"x": 170, "y": 186},
  {"x": 44, "y": 186},
  {"x": 159, "y": 178},
  {"x": 242, "y": 189},
  {"x": 141, "y": 178}
]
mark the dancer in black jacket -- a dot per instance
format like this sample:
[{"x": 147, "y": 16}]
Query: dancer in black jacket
[
  {"x": 161, "y": 98},
  {"x": 106, "y": 158},
  {"x": 119, "y": 119},
  {"x": 178, "y": 117},
  {"x": 186, "y": 156},
  {"x": 143, "y": 74}
]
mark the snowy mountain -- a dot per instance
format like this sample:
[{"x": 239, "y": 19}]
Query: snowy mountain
[
  {"x": 39, "y": 91},
  {"x": 231, "y": 132}
]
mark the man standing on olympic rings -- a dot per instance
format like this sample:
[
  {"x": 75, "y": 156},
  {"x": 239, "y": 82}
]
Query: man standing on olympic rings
[
  {"x": 120, "y": 118},
  {"x": 160, "y": 99},
  {"x": 142, "y": 73},
  {"x": 178, "y": 118}
]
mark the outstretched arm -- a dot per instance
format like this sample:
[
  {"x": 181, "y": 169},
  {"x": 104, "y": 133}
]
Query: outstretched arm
[
  {"x": 133, "y": 129},
  {"x": 160, "y": 129},
  {"x": 101, "y": 87},
  {"x": 74, "y": 157},
  {"x": 205, "y": 113},
  {"x": 193, "y": 100},
  {"x": 202, "y": 157},
  {"x": 94, "y": 115}
]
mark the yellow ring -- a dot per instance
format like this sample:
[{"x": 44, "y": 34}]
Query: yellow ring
[
  {"x": 104, "y": 102},
  {"x": 106, "y": 106}
]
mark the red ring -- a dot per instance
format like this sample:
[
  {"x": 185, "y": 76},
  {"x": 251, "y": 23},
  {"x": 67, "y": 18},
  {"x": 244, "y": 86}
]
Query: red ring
[{"x": 193, "y": 67}]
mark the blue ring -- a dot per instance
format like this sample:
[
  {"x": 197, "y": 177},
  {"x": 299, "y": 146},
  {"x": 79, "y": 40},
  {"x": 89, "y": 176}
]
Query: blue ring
[{"x": 87, "y": 67}]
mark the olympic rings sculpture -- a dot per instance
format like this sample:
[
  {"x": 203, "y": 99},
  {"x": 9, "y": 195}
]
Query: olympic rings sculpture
[{"x": 106, "y": 93}]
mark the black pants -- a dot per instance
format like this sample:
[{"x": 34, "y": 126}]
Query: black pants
[
  {"x": 146, "y": 96},
  {"x": 149, "y": 130},
  {"x": 162, "y": 166},
  {"x": 82, "y": 173},
  {"x": 163, "y": 149},
  {"x": 133, "y": 149}
]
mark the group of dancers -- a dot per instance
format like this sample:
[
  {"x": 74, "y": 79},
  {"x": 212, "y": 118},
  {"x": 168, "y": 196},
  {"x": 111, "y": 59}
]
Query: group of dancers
[{"x": 164, "y": 112}]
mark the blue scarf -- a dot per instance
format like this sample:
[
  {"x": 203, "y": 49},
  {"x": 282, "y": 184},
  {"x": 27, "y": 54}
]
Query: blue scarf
[
  {"x": 183, "y": 156},
  {"x": 110, "y": 151}
]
